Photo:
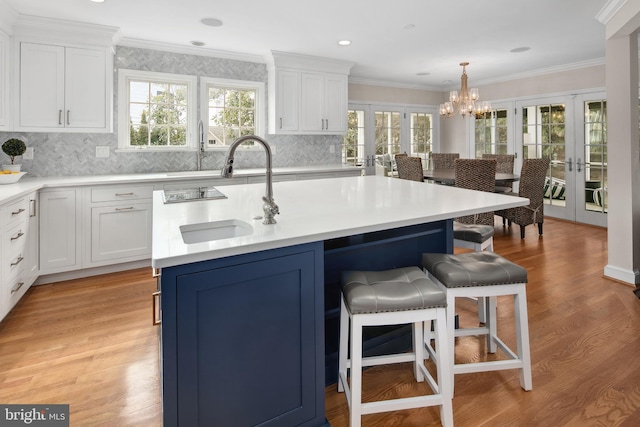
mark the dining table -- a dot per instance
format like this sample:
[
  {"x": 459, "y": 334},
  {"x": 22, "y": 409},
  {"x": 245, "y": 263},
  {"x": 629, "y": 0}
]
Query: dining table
[{"x": 448, "y": 177}]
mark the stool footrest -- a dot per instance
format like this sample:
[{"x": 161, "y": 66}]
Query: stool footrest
[
  {"x": 495, "y": 365},
  {"x": 400, "y": 404}
]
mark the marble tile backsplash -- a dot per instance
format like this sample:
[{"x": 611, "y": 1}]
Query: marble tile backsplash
[{"x": 62, "y": 154}]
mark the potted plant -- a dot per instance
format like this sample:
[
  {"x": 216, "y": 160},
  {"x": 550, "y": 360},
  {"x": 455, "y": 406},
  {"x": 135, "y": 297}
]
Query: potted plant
[{"x": 13, "y": 147}]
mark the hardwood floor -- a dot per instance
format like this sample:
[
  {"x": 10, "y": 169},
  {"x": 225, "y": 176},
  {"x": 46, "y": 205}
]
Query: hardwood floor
[{"x": 90, "y": 343}]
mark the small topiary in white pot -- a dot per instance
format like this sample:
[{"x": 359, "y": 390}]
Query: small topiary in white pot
[{"x": 13, "y": 147}]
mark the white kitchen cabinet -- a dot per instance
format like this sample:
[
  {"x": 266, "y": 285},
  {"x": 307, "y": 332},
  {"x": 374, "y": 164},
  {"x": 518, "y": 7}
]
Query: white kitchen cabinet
[
  {"x": 323, "y": 103},
  {"x": 32, "y": 265},
  {"x": 119, "y": 224},
  {"x": 16, "y": 258},
  {"x": 5, "y": 73},
  {"x": 64, "y": 89},
  {"x": 287, "y": 101},
  {"x": 60, "y": 230},
  {"x": 307, "y": 95}
]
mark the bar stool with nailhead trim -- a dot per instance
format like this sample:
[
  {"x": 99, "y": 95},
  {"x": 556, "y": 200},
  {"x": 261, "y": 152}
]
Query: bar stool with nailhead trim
[
  {"x": 484, "y": 274},
  {"x": 393, "y": 297}
]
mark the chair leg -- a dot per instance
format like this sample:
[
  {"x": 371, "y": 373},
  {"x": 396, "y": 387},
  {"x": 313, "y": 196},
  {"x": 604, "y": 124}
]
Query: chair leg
[
  {"x": 522, "y": 344},
  {"x": 343, "y": 349},
  {"x": 522, "y": 231},
  {"x": 355, "y": 414},
  {"x": 540, "y": 228}
]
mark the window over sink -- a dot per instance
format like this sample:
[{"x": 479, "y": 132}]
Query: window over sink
[
  {"x": 157, "y": 111},
  {"x": 233, "y": 108}
]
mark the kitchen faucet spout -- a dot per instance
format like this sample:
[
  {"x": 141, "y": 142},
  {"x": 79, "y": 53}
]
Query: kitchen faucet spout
[{"x": 270, "y": 207}]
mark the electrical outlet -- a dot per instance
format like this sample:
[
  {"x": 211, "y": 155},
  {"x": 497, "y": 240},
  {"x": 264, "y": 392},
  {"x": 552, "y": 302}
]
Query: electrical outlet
[
  {"x": 102, "y": 151},
  {"x": 28, "y": 155}
]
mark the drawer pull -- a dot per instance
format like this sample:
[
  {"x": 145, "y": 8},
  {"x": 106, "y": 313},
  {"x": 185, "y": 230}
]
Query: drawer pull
[
  {"x": 156, "y": 308},
  {"x": 18, "y": 261},
  {"x": 123, "y": 194},
  {"x": 17, "y": 236},
  {"x": 130, "y": 208},
  {"x": 17, "y": 287},
  {"x": 18, "y": 212}
]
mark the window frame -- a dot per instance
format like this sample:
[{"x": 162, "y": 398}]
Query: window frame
[
  {"x": 124, "y": 76},
  {"x": 259, "y": 103}
]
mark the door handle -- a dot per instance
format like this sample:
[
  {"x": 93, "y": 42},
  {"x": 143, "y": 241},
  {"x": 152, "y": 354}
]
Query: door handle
[
  {"x": 579, "y": 165},
  {"x": 570, "y": 163}
]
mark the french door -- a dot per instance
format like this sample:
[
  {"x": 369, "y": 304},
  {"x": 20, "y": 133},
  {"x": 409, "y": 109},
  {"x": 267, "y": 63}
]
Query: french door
[
  {"x": 571, "y": 132},
  {"x": 376, "y": 133}
]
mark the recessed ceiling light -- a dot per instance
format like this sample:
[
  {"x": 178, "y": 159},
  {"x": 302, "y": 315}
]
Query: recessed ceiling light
[
  {"x": 197, "y": 43},
  {"x": 423, "y": 73},
  {"x": 211, "y": 22},
  {"x": 344, "y": 42},
  {"x": 409, "y": 27},
  {"x": 98, "y": 1},
  {"x": 520, "y": 49}
]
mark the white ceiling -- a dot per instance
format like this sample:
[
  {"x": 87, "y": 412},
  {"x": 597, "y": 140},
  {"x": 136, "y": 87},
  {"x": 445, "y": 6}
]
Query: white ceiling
[{"x": 561, "y": 33}]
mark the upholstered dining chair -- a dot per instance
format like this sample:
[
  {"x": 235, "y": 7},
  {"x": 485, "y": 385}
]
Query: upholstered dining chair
[
  {"x": 444, "y": 160},
  {"x": 409, "y": 167},
  {"x": 531, "y": 186},
  {"x": 480, "y": 175}
]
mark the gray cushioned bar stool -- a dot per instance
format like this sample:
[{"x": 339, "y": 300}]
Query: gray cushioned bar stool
[
  {"x": 488, "y": 275},
  {"x": 393, "y": 297}
]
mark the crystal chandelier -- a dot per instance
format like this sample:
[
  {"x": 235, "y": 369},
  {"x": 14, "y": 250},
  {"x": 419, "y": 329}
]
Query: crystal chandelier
[{"x": 466, "y": 101}]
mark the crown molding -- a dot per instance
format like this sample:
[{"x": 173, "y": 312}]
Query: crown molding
[
  {"x": 65, "y": 31},
  {"x": 8, "y": 17},
  {"x": 609, "y": 10},
  {"x": 389, "y": 83},
  {"x": 189, "y": 50}
]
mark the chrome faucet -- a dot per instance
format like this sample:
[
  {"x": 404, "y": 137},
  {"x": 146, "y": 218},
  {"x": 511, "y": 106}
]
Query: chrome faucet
[
  {"x": 270, "y": 208},
  {"x": 200, "y": 152}
]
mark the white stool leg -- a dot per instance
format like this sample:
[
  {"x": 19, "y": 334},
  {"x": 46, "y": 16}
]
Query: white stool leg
[
  {"x": 343, "y": 347},
  {"x": 445, "y": 364},
  {"x": 491, "y": 323},
  {"x": 355, "y": 414},
  {"x": 451, "y": 336},
  {"x": 418, "y": 351},
  {"x": 522, "y": 337},
  {"x": 482, "y": 310}
]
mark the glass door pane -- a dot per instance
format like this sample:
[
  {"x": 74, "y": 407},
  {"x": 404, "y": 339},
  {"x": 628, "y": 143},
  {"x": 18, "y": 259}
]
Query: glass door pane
[
  {"x": 420, "y": 131},
  {"x": 491, "y": 133},
  {"x": 595, "y": 156},
  {"x": 353, "y": 146}
]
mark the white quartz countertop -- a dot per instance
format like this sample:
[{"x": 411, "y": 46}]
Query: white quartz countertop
[
  {"x": 310, "y": 211},
  {"x": 28, "y": 184}
]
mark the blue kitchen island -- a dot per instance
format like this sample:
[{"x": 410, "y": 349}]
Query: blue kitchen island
[{"x": 249, "y": 311}]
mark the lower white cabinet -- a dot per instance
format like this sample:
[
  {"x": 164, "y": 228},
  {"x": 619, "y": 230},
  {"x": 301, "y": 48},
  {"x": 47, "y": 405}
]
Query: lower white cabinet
[
  {"x": 18, "y": 262},
  {"x": 120, "y": 221},
  {"x": 60, "y": 230}
]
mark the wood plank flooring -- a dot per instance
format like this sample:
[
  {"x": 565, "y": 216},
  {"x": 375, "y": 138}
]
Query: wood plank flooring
[{"x": 90, "y": 343}]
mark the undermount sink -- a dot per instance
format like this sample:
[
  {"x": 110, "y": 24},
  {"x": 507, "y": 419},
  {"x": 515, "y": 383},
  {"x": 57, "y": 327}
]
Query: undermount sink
[{"x": 215, "y": 230}]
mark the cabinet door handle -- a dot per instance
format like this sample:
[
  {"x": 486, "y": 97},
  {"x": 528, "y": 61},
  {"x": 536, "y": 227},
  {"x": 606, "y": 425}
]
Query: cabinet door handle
[
  {"x": 32, "y": 208},
  {"x": 280, "y": 122},
  {"x": 157, "y": 317},
  {"x": 18, "y": 261},
  {"x": 130, "y": 208},
  {"x": 17, "y": 236},
  {"x": 17, "y": 287},
  {"x": 18, "y": 212},
  {"x": 68, "y": 117},
  {"x": 123, "y": 194},
  {"x": 60, "y": 117},
  {"x": 326, "y": 121}
]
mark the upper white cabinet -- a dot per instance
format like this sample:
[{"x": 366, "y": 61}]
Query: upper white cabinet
[
  {"x": 307, "y": 95},
  {"x": 5, "y": 73},
  {"x": 63, "y": 88},
  {"x": 63, "y": 76}
]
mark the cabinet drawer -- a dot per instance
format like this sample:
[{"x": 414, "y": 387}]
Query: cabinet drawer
[
  {"x": 110, "y": 194},
  {"x": 16, "y": 211},
  {"x": 14, "y": 290},
  {"x": 16, "y": 239}
]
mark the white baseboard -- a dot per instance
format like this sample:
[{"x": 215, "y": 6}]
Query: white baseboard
[
  {"x": 95, "y": 271},
  {"x": 623, "y": 275}
]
